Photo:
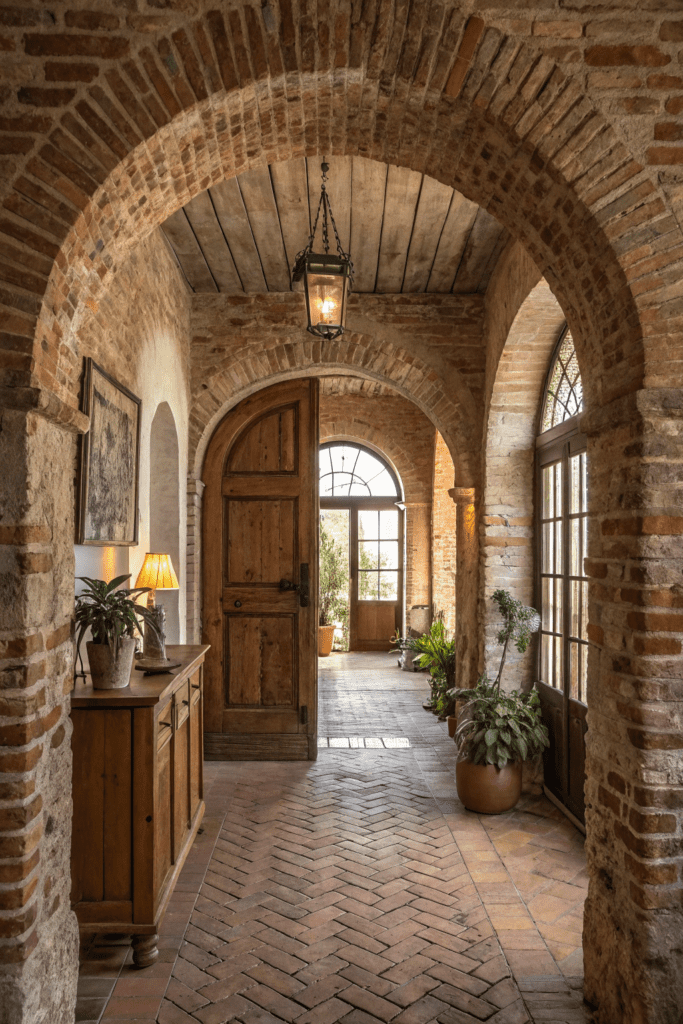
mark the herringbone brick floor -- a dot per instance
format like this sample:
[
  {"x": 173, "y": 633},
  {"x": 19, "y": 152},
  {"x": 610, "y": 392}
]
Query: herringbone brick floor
[{"x": 356, "y": 889}]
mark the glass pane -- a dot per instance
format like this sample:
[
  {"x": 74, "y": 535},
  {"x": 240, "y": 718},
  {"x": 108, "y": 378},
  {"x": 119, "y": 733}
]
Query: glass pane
[
  {"x": 326, "y": 486},
  {"x": 575, "y": 483},
  {"x": 575, "y": 547},
  {"x": 564, "y": 396},
  {"x": 545, "y": 658},
  {"x": 368, "y": 555},
  {"x": 557, "y": 617},
  {"x": 584, "y": 552},
  {"x": 325, "y": 463},
  {"x": 584, "y": 672},
  {"x": 368, "y": 525},
  {"x": 547, "y": 560},
  {"x": 546, "y": 602},
  {"x": 388, "y": 586},
  {"x": 559, "y": 505},
  {"x": 388, "y": 525},
  {"x": 388, "y": 554},
  {"x": 574, "y": 671},
  {"x": 360, "y": 490},
  {"x": 558, "y": 547},
  {"x": 575, "y": 610},
  {"x": 557, "y": 663},
  {"x": 547, "y": 501},
  {"x": 368, "y": 465},
  {"x": 325, "y": 293},
  {"x": 368, "y": 586},
  {"x": 584, "y": 611},
  {"x": 584, "y": 483},
  {"x": 382, "y": 484},
  {"x": 340, "y": 458}
]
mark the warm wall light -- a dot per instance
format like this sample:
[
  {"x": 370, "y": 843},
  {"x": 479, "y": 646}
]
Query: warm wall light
[{"x": 157, "y": 573}]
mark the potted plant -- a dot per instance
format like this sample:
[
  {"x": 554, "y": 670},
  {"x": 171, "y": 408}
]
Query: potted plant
[
  {"x": 498, "y": 730},
  {"x": 333, "y": 586},
  {"x": 112, "y": 617},
  {"x": 437, "y": 653}
]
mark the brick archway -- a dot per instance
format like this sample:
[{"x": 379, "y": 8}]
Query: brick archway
[
  {"x": 507, "y": 547},
  {"x": 480, "y": 110}
]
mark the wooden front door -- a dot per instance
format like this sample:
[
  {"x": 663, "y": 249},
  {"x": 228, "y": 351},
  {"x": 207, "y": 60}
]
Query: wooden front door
[{"x": 260, "y": 579}]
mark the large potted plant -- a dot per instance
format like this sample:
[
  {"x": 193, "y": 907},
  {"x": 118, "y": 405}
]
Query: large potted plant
[
  {"x": 112, "y": 616},
  {"x": 333, "y": 586},
  {"x": 498, "y": 730}
]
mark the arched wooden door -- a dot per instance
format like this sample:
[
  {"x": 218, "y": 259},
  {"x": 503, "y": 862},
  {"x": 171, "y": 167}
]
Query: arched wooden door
[{"x": 260, "y": 580}]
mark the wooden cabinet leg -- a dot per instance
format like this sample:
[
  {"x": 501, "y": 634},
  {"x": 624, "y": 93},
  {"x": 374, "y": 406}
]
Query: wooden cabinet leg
[{"x": 145, "y": 951}]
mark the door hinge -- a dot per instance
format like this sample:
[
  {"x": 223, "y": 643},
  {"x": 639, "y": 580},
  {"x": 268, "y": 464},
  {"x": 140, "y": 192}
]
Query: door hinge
[{"x": 303, "y": 712}]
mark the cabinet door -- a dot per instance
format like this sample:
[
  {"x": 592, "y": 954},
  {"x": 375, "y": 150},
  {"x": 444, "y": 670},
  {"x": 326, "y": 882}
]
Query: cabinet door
[
  {"x": 181, "y": 769},
  {"x": 196, "y": 741},
  {"x": 164, "y": 853}
]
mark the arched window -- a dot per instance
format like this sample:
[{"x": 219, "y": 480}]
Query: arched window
[
  {"x": 564, "y": 390},
  {"x": 562, "y": 533},
  {"x": 351, "y": 470}
]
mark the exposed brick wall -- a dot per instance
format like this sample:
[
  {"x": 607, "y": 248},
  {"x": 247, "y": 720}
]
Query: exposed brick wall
[
  {"x": 507, "y": 526},
  {"x": 444, "y": 529},
  {"x": 562, "y": 122}
]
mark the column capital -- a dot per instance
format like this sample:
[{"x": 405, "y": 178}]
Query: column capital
[{"x": 462, "y": 495}]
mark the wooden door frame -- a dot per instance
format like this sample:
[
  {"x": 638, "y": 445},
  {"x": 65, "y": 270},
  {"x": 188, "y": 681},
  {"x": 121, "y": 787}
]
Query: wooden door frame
[{"x": 236, "y": 421}]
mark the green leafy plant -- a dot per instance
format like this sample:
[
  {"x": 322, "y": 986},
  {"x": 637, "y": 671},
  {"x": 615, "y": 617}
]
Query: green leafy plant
[
  {"x": 110, "y": 613},
  {"x": 437, "y": 653},
  {"x": 498, "y": 727},
  {"x": 333, "y": 581}
]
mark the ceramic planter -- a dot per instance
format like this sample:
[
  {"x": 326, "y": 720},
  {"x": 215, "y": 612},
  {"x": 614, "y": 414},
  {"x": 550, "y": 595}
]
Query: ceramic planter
[
  {"x": 107, "y": 672},
  {"x": 485, "y": 789},
  {"x": 325, "y": 640}
]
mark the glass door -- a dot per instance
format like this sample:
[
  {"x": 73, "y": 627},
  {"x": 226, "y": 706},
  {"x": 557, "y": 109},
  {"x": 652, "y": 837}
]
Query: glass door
[
  {"x": 563, "y": 656},
  {"x": 377, "y": 578}
]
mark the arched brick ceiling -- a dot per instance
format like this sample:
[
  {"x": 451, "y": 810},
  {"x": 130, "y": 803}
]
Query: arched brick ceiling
[{"x": 406, "y": 232}]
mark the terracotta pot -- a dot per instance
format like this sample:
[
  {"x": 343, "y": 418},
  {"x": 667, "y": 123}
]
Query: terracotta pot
[
  {"x": 486, "y": 789},
  {"x": 325, "y": 640},
  {"x": 107, "y": 672},
  {"x": 452, "y": 725}
]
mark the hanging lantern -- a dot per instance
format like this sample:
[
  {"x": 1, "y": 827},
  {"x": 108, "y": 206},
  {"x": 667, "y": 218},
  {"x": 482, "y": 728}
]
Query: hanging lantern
[{"x": 327, "y": 278}]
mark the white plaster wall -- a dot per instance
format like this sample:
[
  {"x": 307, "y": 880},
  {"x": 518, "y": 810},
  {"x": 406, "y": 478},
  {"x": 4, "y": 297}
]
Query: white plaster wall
[{"x": 146, "y": 323}]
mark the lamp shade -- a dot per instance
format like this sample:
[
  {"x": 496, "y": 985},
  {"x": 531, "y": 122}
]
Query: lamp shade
[{"x": 157, "y": 573}]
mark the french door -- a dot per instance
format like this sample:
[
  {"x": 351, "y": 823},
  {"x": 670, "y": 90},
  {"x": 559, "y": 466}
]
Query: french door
[
  {"x": 376, "y": 561},
  {"x": 563, "y": 599}
]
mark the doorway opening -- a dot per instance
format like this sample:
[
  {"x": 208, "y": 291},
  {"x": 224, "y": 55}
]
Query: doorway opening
[{"x": 360, "y": 506}]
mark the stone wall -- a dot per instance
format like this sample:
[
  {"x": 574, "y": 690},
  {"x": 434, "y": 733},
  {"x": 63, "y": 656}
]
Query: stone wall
[
  {"x": 144, "y": 345},
  {"x": 444, "y": 530}
]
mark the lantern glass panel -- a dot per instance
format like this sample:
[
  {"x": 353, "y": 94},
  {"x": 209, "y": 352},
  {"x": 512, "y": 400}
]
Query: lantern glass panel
[{"x": 326, "y": 299}]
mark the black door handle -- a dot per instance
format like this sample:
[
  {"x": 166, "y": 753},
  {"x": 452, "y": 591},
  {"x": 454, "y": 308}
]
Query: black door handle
[{"x": 301, "y": 588}]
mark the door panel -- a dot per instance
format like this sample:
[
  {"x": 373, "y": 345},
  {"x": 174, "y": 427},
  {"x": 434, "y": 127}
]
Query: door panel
[
  {"x": 260, "y": 540},
  {"x": 260, "y": 528}
]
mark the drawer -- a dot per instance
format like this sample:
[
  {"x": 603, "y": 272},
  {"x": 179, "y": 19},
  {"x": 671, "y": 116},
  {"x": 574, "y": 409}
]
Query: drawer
[
  {"x": 181, "y": 700},
  {"x": 164, "y": 725}
]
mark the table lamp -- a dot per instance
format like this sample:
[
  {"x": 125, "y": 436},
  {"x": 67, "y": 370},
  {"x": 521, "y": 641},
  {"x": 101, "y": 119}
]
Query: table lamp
[{"x": 156, "y": 573}]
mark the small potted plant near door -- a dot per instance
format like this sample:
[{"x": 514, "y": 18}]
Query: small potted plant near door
[
  {"x": 436, "y": 650},
  {"x": 498, "y": 730},
  {"x": 333, "y": 587},
  {"x": 112, "y": 616}
]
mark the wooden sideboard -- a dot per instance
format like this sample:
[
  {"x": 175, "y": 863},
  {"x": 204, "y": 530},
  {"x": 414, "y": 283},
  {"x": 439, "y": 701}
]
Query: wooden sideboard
[{"x": 137, "y": 796}]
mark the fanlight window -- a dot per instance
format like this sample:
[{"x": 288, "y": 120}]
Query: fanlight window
[
  {"x": 564, "y": 390},
  {"x": 349, "y": 470}
]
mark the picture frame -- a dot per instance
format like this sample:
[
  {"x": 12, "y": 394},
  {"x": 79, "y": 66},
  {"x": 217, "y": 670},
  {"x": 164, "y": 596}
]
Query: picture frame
[{"x": 109, "y": 462}]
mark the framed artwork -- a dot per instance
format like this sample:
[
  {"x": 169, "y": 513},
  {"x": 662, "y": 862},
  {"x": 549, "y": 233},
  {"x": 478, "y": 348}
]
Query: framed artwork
[{"x": 110, "y": 462}]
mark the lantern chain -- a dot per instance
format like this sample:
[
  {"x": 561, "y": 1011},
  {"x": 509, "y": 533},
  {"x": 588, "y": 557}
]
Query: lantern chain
[{"x": 326, "y": 207}]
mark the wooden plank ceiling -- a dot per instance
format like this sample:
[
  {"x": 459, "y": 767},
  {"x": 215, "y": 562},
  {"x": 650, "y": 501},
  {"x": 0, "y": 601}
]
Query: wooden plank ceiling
[{"x": 405, "y": 232}]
